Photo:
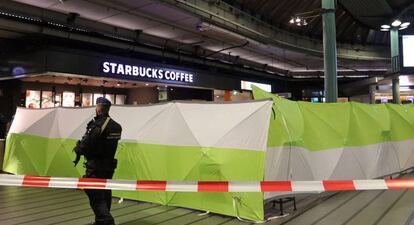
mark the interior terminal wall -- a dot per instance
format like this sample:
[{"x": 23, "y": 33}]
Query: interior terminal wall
[
  {"x": 361, "y": 98},
  {"x": 142, "y": 96}
]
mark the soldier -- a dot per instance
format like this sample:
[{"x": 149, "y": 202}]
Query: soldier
[{"x": 98, "y": 146}]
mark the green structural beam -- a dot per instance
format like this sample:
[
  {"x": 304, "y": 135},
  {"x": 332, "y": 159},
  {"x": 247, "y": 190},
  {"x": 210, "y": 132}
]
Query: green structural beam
[
  {"x": 395, "y": 65},
  {"x": 329, "y": 48}
]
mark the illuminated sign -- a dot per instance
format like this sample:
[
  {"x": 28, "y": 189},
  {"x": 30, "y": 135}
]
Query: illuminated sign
[
  {"x": 247, "y": 85},
  {"x": 408, "y": 53},
  {"x": 148, "y": 72}
]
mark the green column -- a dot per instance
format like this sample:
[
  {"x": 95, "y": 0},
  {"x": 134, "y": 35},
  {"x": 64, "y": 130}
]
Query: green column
[
  {"x": 395, "y": 51},
  {"x": 329, "y": 49},
  {"x": 396, "y": 91}
]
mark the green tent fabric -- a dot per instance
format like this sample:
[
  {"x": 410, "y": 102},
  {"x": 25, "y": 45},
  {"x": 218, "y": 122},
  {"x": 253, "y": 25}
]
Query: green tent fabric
[
  {"x": 173, "y": 142},
  {"x": 214, "y": 142},
  {"x": 313, "y": 141}
]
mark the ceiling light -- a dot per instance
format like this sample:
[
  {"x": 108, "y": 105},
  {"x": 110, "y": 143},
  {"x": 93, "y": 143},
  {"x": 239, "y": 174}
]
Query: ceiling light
[
  {"x": 297, "y": 20},
  {"x": 305, "y": 23},
  {"x": 406, "y": 24},
  {"x": 396, "y": 23},
  {"x": 118, "y": 84},
  {"x": 146, "y": 84},
  {"x": 298, "y": 24},
  {"x": 402, "y": 28},
  {"x": 385, "y": 26},
  {"x": 385, "y": 30},
  {"x": 292, "y": 21}
]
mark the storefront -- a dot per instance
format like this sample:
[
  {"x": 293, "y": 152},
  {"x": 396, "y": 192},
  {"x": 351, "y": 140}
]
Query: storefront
[{"x": 74, "y": 78}]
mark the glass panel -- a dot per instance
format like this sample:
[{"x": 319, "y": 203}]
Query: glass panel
[
  {"x": 47, "y": 99},
  {"x": 68, "y": 99},
  {"x": 32, "y": 99}
]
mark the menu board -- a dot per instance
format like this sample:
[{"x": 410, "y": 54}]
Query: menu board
[
  {"x": 47, "y": 99},
  {"x": 68, "y": 99},
  {"x": 32, "y": 99},
  {"x": 87, "y": 99}
]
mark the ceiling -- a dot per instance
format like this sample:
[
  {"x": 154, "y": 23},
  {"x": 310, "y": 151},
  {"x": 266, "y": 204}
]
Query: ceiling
[
  {"x": 357, "y": 21},
  {"x": 163, "y": 25}
]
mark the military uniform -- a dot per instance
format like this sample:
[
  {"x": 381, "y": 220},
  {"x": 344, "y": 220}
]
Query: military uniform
[{"x": 99, "y": 146}]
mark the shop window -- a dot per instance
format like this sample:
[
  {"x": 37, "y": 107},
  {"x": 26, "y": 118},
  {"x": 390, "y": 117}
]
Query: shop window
[
  {"x": 87, "y": 99},
  {"x": 110, "y": 97},
  {"x": 47, "y": 99},
  {"x": 120, "y": 99},
  {"x": 96, "y": 96},
  {"x": 32, "y": 99},
  {"x": 68, "y": 99}
]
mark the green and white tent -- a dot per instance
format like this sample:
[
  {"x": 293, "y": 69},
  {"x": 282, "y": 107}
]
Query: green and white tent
[
  {"x": 314, "y": 141},
  {"x": 173, "y": 141},
  {"x": 224, "y": 142}
]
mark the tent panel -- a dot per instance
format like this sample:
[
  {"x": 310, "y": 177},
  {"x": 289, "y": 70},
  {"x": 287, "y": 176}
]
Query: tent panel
[{"x": 151, "y": 162}]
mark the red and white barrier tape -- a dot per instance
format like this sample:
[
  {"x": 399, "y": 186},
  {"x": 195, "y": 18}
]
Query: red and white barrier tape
[{"x": 206, "y": 186}]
